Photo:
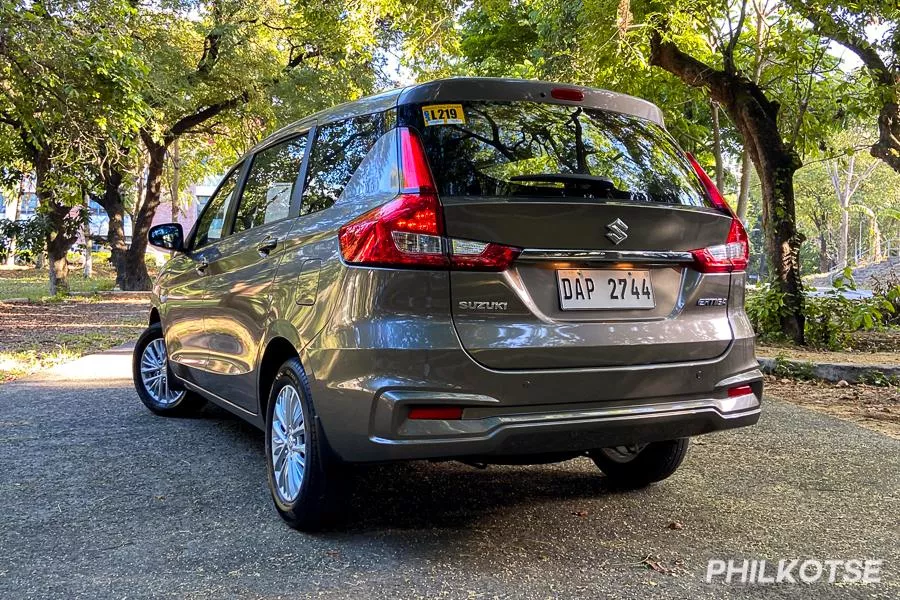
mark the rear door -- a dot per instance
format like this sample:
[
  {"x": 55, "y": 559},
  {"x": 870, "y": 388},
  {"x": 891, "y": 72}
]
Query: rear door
[
  {"x": 239, "y": 283},
  {"x": 606, "y": 210}
]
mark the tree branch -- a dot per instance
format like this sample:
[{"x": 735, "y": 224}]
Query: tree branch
[{"x": 186, "y": 123}]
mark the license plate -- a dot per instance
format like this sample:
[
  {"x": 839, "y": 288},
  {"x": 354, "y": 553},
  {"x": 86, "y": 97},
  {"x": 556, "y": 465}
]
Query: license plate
[{"x": 597, "y": 289}]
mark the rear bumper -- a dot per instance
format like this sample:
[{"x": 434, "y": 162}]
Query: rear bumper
[
  {"x": 365, "y": 417},
  {"x": 488, "y": 429}
]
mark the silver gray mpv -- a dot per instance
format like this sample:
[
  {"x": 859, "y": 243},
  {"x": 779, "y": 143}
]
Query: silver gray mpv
[{"x": 485, "y": 270}]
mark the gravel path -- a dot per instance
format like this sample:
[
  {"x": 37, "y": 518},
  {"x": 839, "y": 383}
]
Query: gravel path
[{"x": 101, "y": 499}]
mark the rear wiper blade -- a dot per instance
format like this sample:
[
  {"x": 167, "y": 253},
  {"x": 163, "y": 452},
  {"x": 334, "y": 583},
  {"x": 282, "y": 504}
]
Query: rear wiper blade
[{"x": 566, "y": 178}]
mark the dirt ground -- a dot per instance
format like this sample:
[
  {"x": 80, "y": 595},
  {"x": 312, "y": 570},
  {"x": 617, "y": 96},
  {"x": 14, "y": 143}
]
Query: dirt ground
[
  {"x": 818, "y": 356},
  {"x": 876, "y": 408},
  {"x": 865, "y": 348},
  {"x": 38, "y": 335}
]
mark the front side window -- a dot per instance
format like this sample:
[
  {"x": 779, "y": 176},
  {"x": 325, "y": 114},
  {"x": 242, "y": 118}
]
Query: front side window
[
  {"x": 212, "y": 221},
  {"x": 536, "y": 149},
  {"x": 337, "y": 153},
  {"x": 266, "y": 197}
]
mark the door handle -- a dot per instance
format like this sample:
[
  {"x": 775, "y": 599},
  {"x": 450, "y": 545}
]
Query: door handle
[
  {"x": 201, "y": 267},
  {"x": 267, "y": 245}
]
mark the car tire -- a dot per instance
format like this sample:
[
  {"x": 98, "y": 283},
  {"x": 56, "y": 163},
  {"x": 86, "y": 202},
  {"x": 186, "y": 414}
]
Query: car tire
[
  {"x": 633, "y": 468},
  {"x": 304, "y": 501},
  {"x": 153, "y": 379}
]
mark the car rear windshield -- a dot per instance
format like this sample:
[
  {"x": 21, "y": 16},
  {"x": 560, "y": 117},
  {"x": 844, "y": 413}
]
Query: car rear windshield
[{"x": 541, "y": 150}]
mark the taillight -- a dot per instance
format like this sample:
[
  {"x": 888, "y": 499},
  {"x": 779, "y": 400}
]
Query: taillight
[
  {"x": 408, "y": 231},
  {"x": 734, "y": 254}
]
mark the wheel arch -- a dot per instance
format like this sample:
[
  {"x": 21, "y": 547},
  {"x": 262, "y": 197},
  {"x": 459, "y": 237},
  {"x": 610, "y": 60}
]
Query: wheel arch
[
  {"x": 154, "y": 317},
  {"x": 277, "y": 351}
]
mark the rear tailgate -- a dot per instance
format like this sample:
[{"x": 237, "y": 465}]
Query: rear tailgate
[{"x": 606, "y": 211}]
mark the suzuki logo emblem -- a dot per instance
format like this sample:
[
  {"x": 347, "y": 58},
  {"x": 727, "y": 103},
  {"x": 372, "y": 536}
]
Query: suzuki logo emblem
[{"x": 617, "y": 231}]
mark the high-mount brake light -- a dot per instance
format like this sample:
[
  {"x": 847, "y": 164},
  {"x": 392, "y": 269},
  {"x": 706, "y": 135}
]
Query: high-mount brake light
[
  {"x": 571, "y": 94},
  {"x": 734, "y": 254},
  {"x": 408, "y": 231}
]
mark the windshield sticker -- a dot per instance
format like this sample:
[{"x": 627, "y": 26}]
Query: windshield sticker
[{"x": 443, "y": 114}]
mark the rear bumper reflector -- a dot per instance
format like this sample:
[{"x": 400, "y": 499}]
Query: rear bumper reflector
[{"x": 445, "y": 413}]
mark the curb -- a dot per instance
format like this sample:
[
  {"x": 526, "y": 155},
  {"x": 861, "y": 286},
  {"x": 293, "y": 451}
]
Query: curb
[{"x": 832, "y": 371}]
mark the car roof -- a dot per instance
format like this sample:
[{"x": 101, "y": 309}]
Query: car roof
[{"x": 463, "y": 89}]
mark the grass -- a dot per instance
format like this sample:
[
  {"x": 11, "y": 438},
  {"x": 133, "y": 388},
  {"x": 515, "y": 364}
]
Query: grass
[
  {"x": 34, "y": 284},
  {"x": 24, "y": 361}
]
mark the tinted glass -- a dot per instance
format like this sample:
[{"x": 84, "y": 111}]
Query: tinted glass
[
  {"x": 337, "y": 153},
  {"x": 266, "y": 197},
  {"x": 551, "y": 150},
  {"x": 212, "y": 221}
]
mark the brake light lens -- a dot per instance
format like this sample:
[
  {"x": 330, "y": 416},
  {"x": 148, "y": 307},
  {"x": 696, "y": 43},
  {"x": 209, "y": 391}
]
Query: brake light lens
[
  {"x": 408, "y": 231},
  {"x": 447, "y": 413},
  {"x": 741, "y": 390},
  {"x": 571, "y": 94},
  {"x": 734, "y": 254}
]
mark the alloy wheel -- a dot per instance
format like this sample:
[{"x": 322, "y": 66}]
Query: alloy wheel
[
  {"x": 155, "y": 374},
  {"x": 288, "y": 443}
]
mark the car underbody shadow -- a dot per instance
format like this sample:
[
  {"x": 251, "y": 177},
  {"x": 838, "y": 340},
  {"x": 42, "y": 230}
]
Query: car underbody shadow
[{"x": 425, "y": 495}]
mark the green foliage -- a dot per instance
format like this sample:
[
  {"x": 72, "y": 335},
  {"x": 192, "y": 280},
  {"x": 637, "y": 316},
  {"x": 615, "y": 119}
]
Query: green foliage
[
  {"x": 878, "y": 378},
  {"x": 31, "y": 237},
  {"x": 830, "y": 317},
  {"x": 887, "y": 288},
  {"x": 795, "y": 369},
  {"x": 765, "y": 306}
]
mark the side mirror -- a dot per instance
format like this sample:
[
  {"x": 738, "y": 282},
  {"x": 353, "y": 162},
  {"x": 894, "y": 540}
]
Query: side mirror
[{"x": 168, "y": 236}]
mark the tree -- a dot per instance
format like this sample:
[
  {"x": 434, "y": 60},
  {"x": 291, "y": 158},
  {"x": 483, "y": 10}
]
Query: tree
[
  {"x": 818, "y": 212},
  {"x": 845, "y": 180},
  {"x": 847, "y": 23},
  {"x": 771, "y": 137},
  {"x": 67, "y": 76},
  {"x": 221, "y": 62}
]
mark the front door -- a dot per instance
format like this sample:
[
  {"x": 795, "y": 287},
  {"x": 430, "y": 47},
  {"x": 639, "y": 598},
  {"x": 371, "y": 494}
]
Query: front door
[
  {"x": 186, "y": 295},
  {"x": 239, "y": 284}
]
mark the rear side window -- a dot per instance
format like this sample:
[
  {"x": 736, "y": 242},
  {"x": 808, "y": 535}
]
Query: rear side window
[
  {"x": 550, "y": 150},
  {"x": 338, "y": 151},
  {"x": 267, "y": 193}
]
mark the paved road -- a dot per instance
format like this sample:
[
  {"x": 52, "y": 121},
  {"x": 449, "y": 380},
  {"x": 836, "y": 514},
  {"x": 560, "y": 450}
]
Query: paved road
[{"x": 98, "y": 498}]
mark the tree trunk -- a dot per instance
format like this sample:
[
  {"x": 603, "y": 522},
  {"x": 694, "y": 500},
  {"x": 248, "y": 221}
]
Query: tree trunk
[
  {"x": 776, "y": 172},
  {"x": 114, "y": 205},
  {"x": 176, "y": 182},
  {"x": 88, "y": 272},
  {"x": 887, "y": 148},
  {"x": 844, "y": 240},
  {"x": 824, "y": 261},
  {"x": 136, "y": 275},
  {"x": 62, "y": 228},
  {"x": 756, "y": 117},
  {"x": 717, "y": 147},
  {"x": 744, "y": 194}
]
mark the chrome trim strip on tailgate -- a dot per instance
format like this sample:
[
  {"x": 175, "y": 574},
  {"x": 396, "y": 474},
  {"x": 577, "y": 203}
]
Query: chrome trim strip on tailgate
[{"x": 635, "y": 256}]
